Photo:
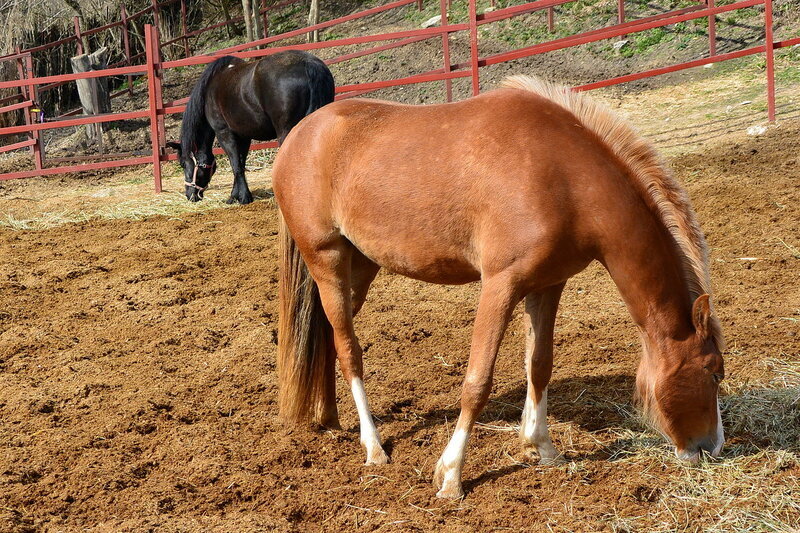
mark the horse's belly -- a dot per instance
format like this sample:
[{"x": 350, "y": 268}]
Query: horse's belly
[{"x": 433, "y": 262}]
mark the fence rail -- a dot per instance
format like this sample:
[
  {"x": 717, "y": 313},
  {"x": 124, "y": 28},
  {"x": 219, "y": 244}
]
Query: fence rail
[{"x": 154, "y": 67}]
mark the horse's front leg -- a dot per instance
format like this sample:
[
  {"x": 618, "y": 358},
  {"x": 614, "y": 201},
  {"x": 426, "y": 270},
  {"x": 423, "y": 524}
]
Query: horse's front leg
[
  {"x": 497, "y": 301},
  {"x": 236, "y": 147},
  {"x": 539, "y": 322}
]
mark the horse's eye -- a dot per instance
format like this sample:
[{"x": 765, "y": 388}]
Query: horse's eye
[{"x": 717, "y": 378}]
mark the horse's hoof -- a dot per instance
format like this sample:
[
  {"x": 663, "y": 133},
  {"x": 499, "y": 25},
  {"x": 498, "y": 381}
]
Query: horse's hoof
[
  {"x": 377, "y": 457},
  {"x": 248, "y": 199},
  {"x": 545, "y": 455},
  {"x": 451, "y": 491},
  {"x": 230, "y": 200},
  {"x": 552, "y": 461},
  {"x": 331, "y": 424},
  {"x": 454, "y": 493}
]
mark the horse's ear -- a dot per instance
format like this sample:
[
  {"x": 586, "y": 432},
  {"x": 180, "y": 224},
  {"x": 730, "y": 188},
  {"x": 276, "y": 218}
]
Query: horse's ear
[
  {"x": 701, "y": 316},
  {"x": 175, "y": 146}
]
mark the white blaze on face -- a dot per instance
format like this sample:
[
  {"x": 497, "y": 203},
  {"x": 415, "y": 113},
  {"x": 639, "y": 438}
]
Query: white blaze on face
[
  {"x": 693, "y": 456},
  {"x": 719, "y": 440}
]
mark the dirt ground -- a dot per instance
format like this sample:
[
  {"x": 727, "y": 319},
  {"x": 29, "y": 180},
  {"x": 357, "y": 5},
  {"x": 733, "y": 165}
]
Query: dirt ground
[{"x": 137, "y": 383}]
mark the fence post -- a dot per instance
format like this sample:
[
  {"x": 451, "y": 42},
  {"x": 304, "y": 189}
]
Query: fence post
[
  {"x": 77, "y": 23},
  {"x": 184, "y": 29},
  {"x": 126, "y": 44},
  {"x": 473, "y": 45},
  {"x": 620, "y": 11},
  {"x": 712, "y": 31},
  {"x": 448, "y": 84},
  {"x": 551, "y": 20},
  {"x": 33, "y": 93},
  {"x": 769, "y": 46},
  {"x": 150, "y": 43},
  {"x": 162, "y": 133},
  {"x": 28, "y": 92}
]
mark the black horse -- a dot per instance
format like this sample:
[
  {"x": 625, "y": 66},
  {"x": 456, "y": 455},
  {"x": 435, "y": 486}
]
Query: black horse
[{"x": 238, "y": 102}]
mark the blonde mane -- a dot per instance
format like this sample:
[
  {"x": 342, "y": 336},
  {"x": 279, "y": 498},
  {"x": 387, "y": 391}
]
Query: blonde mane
[{"x": 668, "y": 198}]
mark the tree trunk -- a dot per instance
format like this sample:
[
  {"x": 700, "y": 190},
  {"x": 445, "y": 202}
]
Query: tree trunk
[
  {"x": 258, "y": 23},
  {"x": 313, "y": 18},
  {"x": 247, "y": 12},
  {"x": 93, "y": 92},
  {"x": 226, "y": 11}
]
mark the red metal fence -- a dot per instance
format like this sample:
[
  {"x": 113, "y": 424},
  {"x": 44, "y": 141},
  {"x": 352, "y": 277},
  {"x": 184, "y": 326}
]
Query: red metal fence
[
  {"x": 154, "y": 68},
  {"x": 124, "y": 25}
]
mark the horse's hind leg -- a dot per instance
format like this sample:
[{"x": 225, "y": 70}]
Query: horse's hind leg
[
  {"x": 236, "y": 147},
  {"x": 332, "y": 269},
  {"x": 362, "y": 272},
  {"x": 539, "y": 321},
  {"x": 497, "y": 301}
]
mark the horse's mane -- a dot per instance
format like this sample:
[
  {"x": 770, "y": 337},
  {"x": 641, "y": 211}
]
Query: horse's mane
[
  {"x": 195, "y": 129},
  {"x": 665, "y": 194}
]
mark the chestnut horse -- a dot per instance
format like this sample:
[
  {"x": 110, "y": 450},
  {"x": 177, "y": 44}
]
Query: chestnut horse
[{"x": 520, "y": 188}]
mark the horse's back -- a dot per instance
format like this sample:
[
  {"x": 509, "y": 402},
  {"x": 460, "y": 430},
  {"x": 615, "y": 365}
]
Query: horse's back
[
  {"x": 264, "y": 99},
  {"x": 483, "y": 182}
]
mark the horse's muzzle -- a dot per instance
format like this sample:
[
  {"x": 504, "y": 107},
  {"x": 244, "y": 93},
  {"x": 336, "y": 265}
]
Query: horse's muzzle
[{"x": 193, "y": 195}]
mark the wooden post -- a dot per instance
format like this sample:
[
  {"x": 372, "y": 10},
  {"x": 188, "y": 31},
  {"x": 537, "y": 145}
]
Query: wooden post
[
  {"x": 152, "y": 82},
  {"x": 126, "y": 44},
  {"x": 550, "y": 20},
  {"x": 93, "y": 92},
  {"x": 620, "y": 11},
  {"x": 76, "y": 22},
  {"x": 258, "y": 26},
  {"x": 313, "y": 19},
  {"x": 247, "y": 14}
]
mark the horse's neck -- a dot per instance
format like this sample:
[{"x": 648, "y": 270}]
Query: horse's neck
[{"x": 648, "y": 273}]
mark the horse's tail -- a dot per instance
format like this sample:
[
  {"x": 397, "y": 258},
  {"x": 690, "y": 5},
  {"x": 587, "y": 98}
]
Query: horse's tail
[
  {"x": 321, "y": 84},
  {"x": 194, "y": 117},
  {"x": 306, "y": 357}
]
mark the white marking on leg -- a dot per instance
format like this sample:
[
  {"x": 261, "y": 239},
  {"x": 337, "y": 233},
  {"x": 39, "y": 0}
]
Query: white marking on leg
[
  {"x": 451, "y": 463},
  {"x": 720, "y": 437},
  {"x": 533, "y": 430},
  {"x": 370, "y": 438}
]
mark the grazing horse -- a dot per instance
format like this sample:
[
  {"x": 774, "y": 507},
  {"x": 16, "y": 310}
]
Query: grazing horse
[
  {"x": 237, "y": 102},
  {"x": 520, "y": 188}
]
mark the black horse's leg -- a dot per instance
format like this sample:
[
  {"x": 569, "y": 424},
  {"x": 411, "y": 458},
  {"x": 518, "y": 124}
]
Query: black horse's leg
[{"x": 237, "y": 148}]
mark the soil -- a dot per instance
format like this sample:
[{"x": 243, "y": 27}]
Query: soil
[{"x": 137, "y": 370}]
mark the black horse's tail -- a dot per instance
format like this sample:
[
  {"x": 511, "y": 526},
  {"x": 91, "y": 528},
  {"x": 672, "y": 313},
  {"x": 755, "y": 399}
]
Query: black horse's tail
[
  {"x": 321, "y": 84},
  {"x": 194, "y": 118}
]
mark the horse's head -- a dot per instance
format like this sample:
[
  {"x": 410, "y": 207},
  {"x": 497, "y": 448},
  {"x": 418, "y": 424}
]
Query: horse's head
[
  {"x": 198, "y": 167},
  {"x": 678, "y": 386}
]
